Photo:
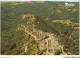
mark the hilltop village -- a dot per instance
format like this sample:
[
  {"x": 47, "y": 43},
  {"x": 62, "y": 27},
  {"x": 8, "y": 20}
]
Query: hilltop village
[{"x": 48, "y": 44}]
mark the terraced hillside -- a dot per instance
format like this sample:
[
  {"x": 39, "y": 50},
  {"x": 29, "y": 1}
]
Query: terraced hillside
[{"x": 39, "y": 28}]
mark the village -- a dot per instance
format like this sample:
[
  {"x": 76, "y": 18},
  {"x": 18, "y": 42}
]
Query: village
[{"x": 48, "y": 44}]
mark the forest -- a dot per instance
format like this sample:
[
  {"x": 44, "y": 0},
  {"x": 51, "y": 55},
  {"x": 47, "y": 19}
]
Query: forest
[{"x": 52, "y": 17}]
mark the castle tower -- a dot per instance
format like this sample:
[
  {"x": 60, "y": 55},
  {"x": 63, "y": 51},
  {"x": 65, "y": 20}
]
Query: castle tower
[{"x": 50, "y": 48}]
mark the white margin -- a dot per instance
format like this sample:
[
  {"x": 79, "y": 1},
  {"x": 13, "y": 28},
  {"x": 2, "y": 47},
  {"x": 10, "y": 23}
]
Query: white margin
[{"x": 79, "y": 27}]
